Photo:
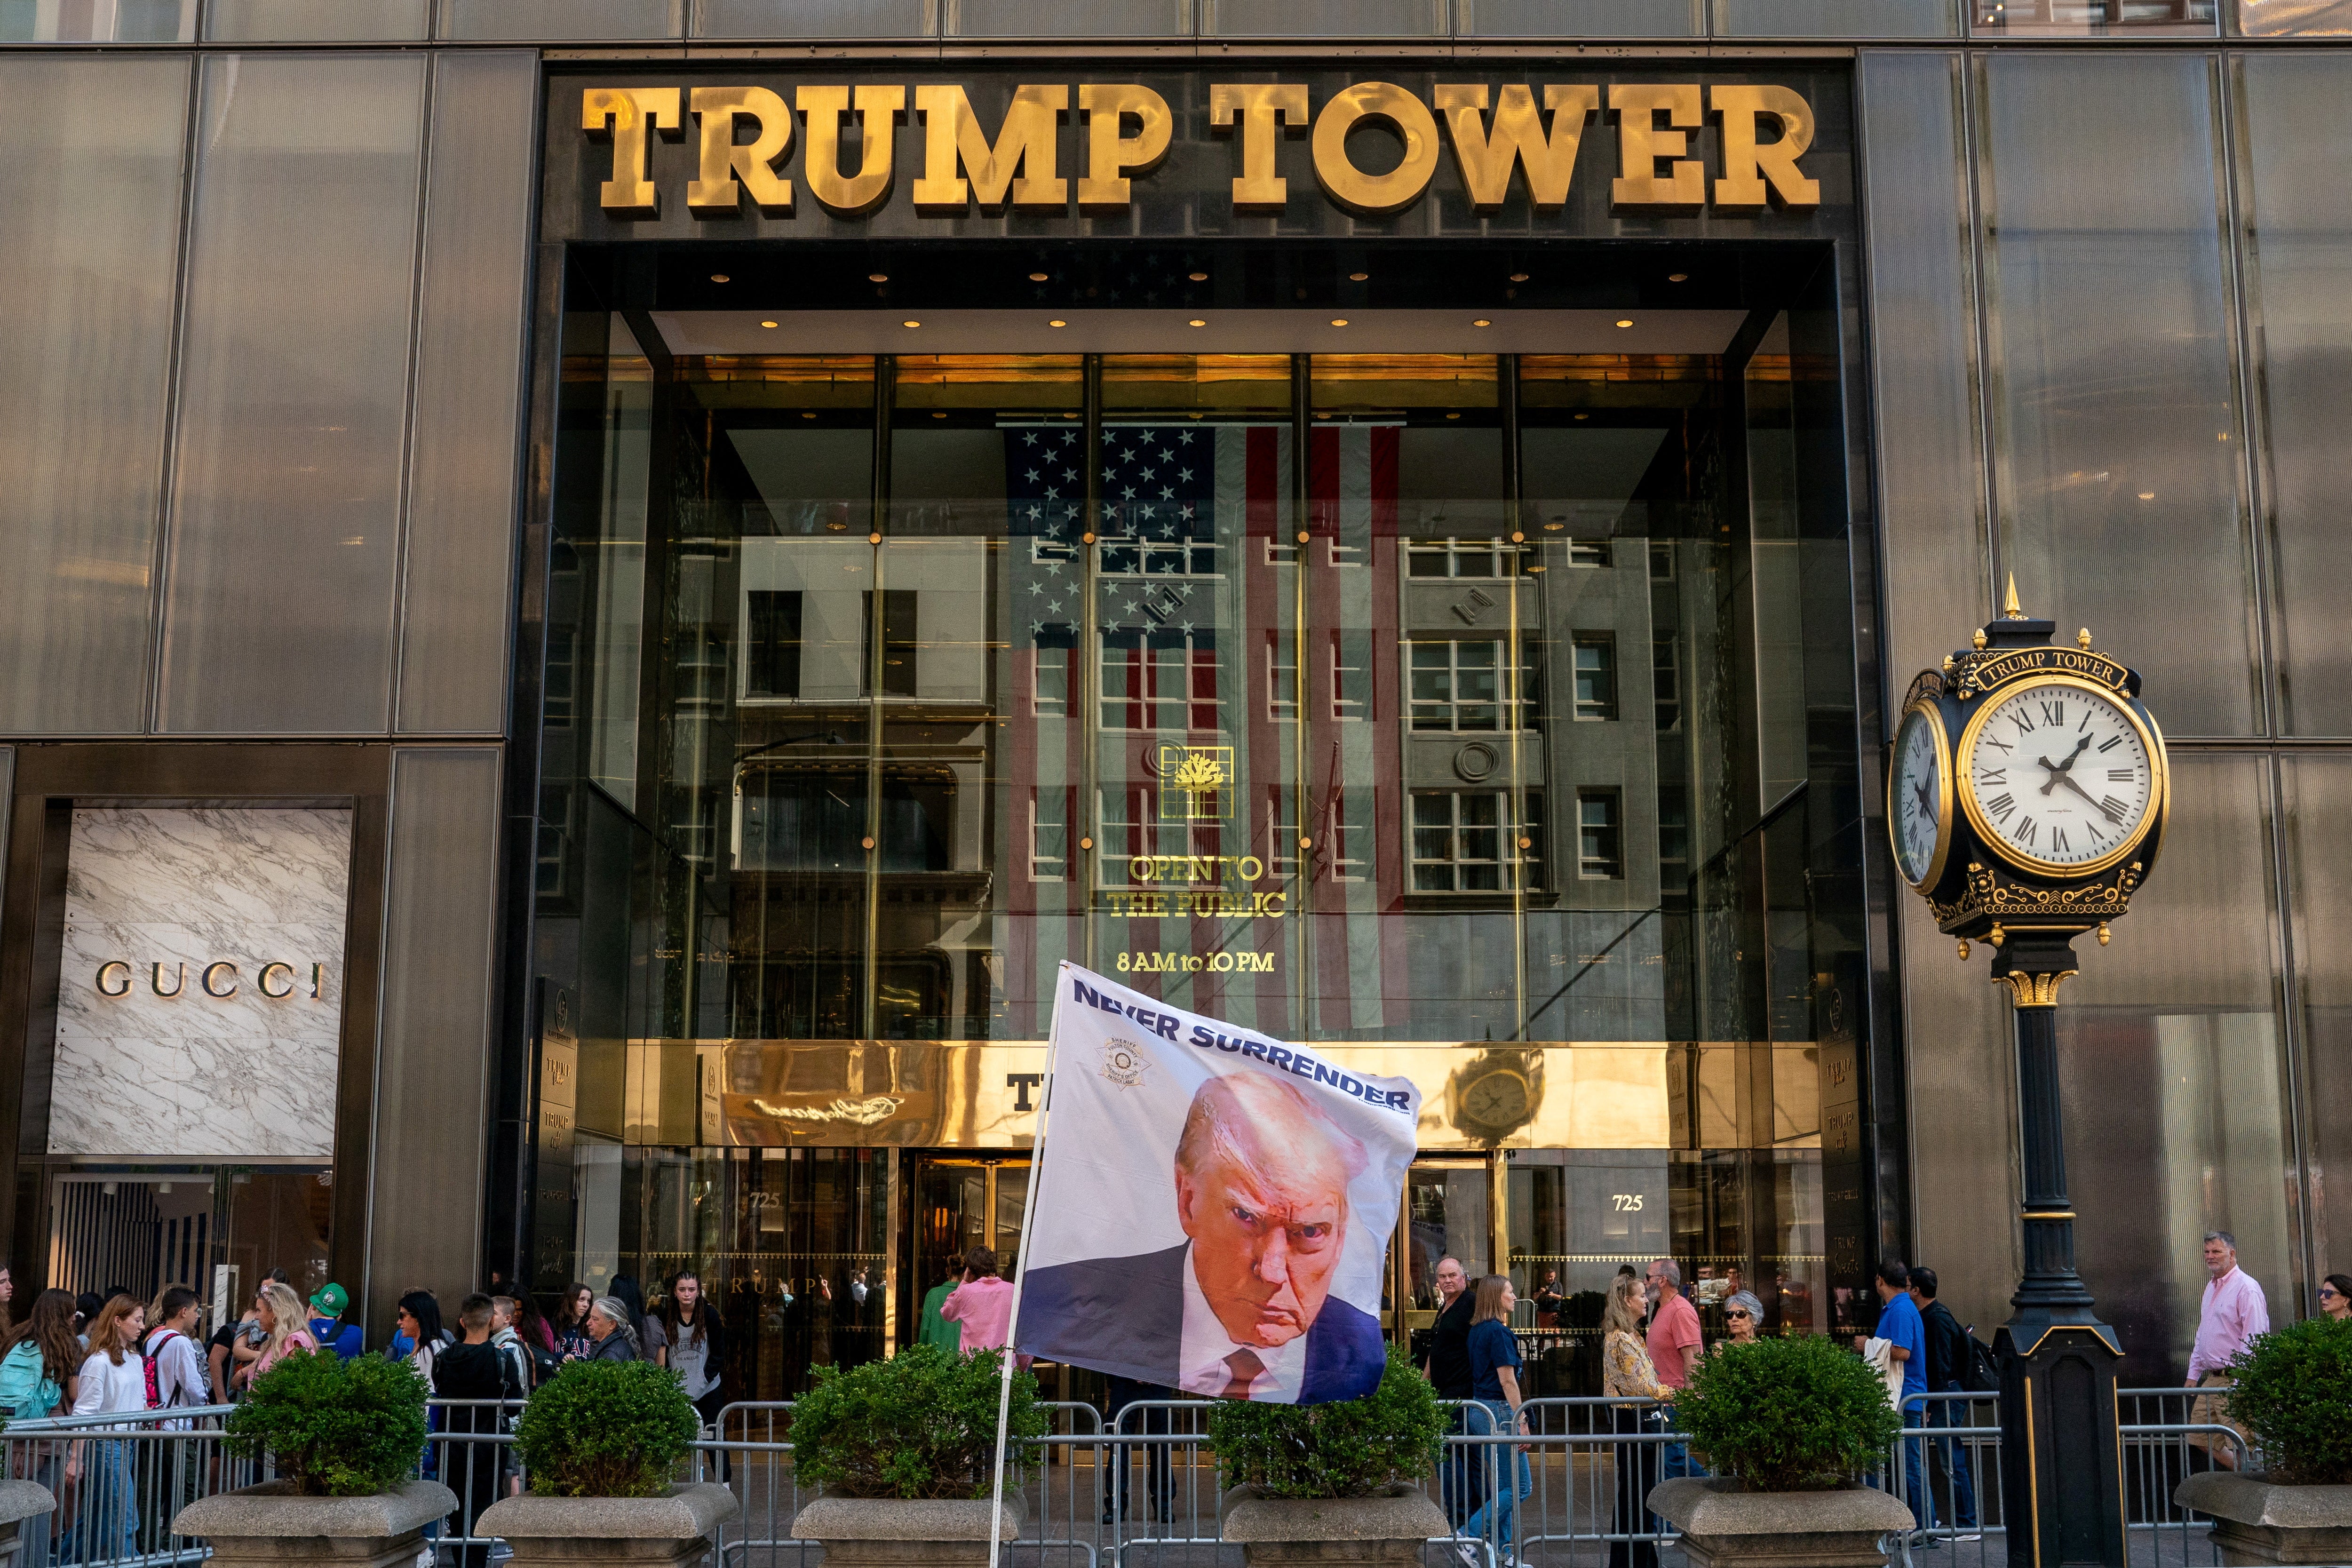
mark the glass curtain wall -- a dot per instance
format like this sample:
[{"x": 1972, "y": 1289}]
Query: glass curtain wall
[{"x": 1388, "y": 700}]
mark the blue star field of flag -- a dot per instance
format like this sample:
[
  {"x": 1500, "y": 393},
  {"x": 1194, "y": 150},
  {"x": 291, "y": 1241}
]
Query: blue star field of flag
[{"x": 1157, "y": 524}]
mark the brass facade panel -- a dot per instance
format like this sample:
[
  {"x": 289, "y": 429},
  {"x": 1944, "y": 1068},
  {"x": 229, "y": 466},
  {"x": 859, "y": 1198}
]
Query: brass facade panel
[{"x": 969, "y": 1094}]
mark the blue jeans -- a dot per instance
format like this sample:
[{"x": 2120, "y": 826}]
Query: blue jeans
[
  {"x": 105, "y": 1522},
  {"x": 1675, "y": 1458},
  {"x": 1502, "y": 1480},
  {"x": 1950, "y": 1413},
  {"x": 1914, "y": 1490},
  {"x": 1458, "y": 1479}
]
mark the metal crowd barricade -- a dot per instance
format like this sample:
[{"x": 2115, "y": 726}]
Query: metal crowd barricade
[
  {"x": 2163, "y": 1441},
  {"x": 1139, "y": 1490},
  {"x": 118, "y": 1479}
]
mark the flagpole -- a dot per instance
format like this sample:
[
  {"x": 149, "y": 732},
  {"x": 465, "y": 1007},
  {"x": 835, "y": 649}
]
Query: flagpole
[{"x": 1021, "y": 1269}]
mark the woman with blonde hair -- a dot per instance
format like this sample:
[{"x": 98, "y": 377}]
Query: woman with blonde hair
[
  {"x": 113, "y": 1378},
  {"x": 285, "y": 1329},
  {"x": 1626, "y": 1372}
]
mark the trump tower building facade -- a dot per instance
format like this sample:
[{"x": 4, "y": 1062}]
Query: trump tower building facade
[{"x": 597, "y": 591}]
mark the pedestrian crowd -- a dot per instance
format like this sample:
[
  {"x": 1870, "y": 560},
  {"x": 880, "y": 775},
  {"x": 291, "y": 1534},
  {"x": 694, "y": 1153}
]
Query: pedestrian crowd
[
  {"x": 110, "y": 1352},
  {"x": 1651, "y": 1341},
  {"x": 107, "y": 1353}
]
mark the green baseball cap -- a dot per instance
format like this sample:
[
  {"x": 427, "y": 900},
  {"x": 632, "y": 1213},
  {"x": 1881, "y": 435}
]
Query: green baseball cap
[{"x": 330, "y": 1300}]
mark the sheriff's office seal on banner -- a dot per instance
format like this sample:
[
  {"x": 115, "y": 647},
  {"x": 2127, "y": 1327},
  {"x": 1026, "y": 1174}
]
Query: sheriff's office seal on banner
[{"x": 1213, "y": 1207}]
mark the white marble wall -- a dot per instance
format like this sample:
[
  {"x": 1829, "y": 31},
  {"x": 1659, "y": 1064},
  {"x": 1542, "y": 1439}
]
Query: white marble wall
[{"x": 195, "y": 1076}]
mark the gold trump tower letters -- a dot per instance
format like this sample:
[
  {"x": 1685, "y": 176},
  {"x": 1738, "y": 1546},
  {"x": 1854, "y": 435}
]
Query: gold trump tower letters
[{"x": 1494, "y": 132}]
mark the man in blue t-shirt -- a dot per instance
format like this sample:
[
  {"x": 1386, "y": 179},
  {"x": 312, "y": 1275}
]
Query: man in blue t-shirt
[
  {"x": 327, "y": 1325},
  {"x": 1905, "y": 1335}
]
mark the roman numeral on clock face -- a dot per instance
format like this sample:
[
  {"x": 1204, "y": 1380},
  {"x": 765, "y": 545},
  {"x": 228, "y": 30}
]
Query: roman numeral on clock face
[{"x": 2068, "y": 778}]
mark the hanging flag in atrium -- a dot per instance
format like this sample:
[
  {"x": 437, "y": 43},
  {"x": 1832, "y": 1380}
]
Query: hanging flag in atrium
[{"x": 1212, "y": 1208}]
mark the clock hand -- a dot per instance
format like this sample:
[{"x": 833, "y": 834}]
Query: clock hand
[
  {"x": 2060, "y": 769},
  {"x": 2078, "y": 789}
]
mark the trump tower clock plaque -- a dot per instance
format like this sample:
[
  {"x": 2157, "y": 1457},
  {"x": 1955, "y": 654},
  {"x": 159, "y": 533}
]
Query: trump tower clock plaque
[{"x": 2026, "y": 795}]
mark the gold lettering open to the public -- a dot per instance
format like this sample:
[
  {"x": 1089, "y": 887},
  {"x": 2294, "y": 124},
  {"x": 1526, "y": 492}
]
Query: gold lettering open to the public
[
  {"x": 1642, "y": 143},
  {"x": 729, "y": 169},
  {"x": 1027, "y": 141},
  {"x": 1260, "y": 109},
  {"x": 625, "y": 113},
  {"x": 1518, "y": 136},
  {"x": 1113, "y": 157}
]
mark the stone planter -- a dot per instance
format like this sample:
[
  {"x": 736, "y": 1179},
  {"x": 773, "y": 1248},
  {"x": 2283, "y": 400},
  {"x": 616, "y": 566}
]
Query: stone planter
[
  {"x": 622, "y": 1531},
  {"x": 270, "y": 1524},
  {"x": 2256, "y": 1521},
  {"x": 1727, "y": 1527},
  {"x": 1388, "y": 1528},
  {"x": 904, "y": 1532},
  {"x": 19, "y": 1501}
]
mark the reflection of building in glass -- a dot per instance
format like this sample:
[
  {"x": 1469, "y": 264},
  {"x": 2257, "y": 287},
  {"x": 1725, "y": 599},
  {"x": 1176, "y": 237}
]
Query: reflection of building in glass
[{"x": 1345, "y": 724}]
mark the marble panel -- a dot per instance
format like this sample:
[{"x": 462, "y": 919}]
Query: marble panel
[{"x": 200, "y": 994}]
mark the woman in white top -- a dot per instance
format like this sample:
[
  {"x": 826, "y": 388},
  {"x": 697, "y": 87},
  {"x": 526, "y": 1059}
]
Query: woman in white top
[{"x": 113, "y": 1378}]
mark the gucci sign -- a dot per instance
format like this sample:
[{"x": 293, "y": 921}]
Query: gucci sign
[{"x": 219, "y": 980}]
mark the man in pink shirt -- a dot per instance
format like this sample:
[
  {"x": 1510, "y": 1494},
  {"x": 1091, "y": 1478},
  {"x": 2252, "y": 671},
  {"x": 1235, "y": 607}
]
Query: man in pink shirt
[
  {"x": 1676, "y": 1345},
  {"x": 2232, "y": 1313},
  {"x": 983, "y": 1305}
]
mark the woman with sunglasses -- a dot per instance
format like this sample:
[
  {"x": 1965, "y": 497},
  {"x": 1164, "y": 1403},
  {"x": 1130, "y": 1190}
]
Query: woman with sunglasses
[
  {"x": 1743, "y": 1314},
  {"x": 2336, "y": 1296}
]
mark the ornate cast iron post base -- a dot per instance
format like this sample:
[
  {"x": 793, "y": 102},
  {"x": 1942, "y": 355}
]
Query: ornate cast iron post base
[{"x": 2061, "y": 1462}]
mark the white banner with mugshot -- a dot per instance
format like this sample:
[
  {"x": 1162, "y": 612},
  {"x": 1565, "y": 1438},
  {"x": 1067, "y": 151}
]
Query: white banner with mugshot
[{"x": 1212, "y": 1208}]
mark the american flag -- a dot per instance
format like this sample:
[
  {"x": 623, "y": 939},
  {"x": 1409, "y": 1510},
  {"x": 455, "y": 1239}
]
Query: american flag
[
  {"x": 1192, "y": 554},
  {"x": 1161, "y": 489}
]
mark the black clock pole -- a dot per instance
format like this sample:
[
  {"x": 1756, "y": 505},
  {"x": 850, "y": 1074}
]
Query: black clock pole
[
  {"x": 2061, "y": 1449},
  {"x": 2061, "y": 1465}
]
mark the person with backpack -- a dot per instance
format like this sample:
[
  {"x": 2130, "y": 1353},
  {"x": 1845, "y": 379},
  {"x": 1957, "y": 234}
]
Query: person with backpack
[
  {"x": 509, "y": 1338},
  {"x": 175, "y": 1372},
  {"x": 327, "y": 1325},
  {"x": 176, "y": 1379},
  {"x": 1950, "y": 1361},
  {"x": 39, "y": 1370}
]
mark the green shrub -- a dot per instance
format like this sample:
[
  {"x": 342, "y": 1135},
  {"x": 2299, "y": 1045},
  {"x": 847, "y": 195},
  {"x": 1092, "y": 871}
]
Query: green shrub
[
  {"x": 2295, "y": 1387},
  {"x": 1801, "y": 1414},
  {"x": 1350, "y": 1447},
  {"x": 921, "y": 1424},
  {"x": 334, "y": 1427},
  {"x": 606, "y": 1428}
]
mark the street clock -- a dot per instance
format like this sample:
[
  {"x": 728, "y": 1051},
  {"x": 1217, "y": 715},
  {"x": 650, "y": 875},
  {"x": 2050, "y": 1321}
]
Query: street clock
[
  {"x": 2025, "y": 800},
  {"x": 2028, "y": 785}
]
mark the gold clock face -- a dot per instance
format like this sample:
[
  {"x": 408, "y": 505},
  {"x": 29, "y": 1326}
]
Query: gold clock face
[
  {"x": 1498, "y": 1100},
  {"x": 1919, "y": 795},
  {"x": 2060, "y": 776}
]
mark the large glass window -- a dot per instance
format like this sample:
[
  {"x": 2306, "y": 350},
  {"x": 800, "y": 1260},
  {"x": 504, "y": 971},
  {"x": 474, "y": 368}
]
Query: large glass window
[
  {"x": 1196, "y": 623},
  {"x": 1385, "y": 700},
  {"x": 2115, "y": 387}
]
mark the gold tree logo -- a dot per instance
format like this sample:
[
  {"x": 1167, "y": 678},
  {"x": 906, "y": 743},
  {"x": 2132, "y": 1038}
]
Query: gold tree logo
[{"x": 1197, "y": 783}]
